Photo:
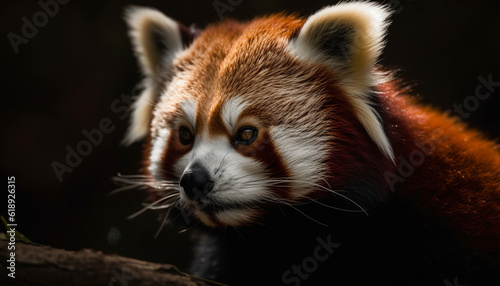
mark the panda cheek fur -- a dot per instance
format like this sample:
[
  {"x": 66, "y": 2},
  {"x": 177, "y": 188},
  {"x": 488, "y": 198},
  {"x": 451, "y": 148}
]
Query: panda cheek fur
[{"x": 265, "y": 152}]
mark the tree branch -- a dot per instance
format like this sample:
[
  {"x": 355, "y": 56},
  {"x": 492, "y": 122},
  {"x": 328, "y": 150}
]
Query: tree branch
[{"x": 44, "y": 265}]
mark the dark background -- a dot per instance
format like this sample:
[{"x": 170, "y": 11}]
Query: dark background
[{"x": 66, "y": 77}]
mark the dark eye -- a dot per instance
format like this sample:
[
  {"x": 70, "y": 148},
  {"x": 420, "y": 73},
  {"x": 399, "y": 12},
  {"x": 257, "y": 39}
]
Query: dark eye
[
  {"x": 185, "y": 136},
  {"x": 246, "y": 135}
]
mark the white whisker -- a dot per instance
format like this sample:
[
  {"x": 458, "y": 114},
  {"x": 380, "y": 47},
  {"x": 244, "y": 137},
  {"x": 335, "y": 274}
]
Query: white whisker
[
  {"x": 147, "y": 207},
  {"x": 283, "y": 183},
  {"x": 336, "y": 192},
  {"x": 163, "y": 222},
  {"x": 164, "y": 206},
  {"x": 337, "y": 208},
  {"x": 124, "y": 188},
  {"x": 285, "y": 203},
  {"x": 141, "y": 182}
]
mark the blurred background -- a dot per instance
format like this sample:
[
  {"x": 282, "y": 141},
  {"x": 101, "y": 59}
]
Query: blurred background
[{"x": 73, "y": 69}]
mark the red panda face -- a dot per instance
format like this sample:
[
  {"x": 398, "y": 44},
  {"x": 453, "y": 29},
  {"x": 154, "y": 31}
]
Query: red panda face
[
  {"x": 250, "y": 135},
  {"x": 249, "y": 116}
]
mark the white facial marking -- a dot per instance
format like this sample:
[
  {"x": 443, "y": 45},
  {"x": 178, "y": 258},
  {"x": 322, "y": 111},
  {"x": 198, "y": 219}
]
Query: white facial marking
[
  {"x": 204, "y": 218},
  {"x": 235, "y": 217},
  {"x": 232, "y": 218},
  {"x": 304, "y": 153},
  {"x": 189, "y": 108},
  {"x": 231, "y": 111},
  {"x": 237, "y": 179}
]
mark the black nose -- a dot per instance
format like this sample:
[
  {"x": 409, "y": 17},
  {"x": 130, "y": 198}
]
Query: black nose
[{"x": 196, "y": 182}]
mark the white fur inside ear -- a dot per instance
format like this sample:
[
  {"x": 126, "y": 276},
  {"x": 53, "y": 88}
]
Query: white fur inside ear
[
  {"x": 147, "y": 27},
  {"x": 360, "y": 26},
  {"x": 348, "y": 38}
]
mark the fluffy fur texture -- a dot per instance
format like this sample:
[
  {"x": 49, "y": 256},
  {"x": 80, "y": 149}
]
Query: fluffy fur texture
[
  {"x": 282, "y": 132},
  {"x": 349, "y": 38}
]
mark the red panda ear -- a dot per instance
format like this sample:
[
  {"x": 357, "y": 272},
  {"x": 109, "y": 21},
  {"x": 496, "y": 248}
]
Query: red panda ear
[
  {"x": 349, "y": 38},
  {"x": 156, "y": 41}
]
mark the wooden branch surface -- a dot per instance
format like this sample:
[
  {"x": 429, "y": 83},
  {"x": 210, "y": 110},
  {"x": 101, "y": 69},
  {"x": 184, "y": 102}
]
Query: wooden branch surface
[{"x": 44, "y": 265}]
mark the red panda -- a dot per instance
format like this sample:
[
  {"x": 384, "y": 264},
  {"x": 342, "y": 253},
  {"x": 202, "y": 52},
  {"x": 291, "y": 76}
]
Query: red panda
[{"x": 301, "y": 161}]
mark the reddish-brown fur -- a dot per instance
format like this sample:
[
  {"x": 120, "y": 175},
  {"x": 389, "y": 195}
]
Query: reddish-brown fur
[
  {"x": 462, "y": 158},
  {"x": 456, "y": 182}
]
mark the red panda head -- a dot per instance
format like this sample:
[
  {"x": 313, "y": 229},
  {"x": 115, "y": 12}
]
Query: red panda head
[{"x": 244, "y": 117}]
